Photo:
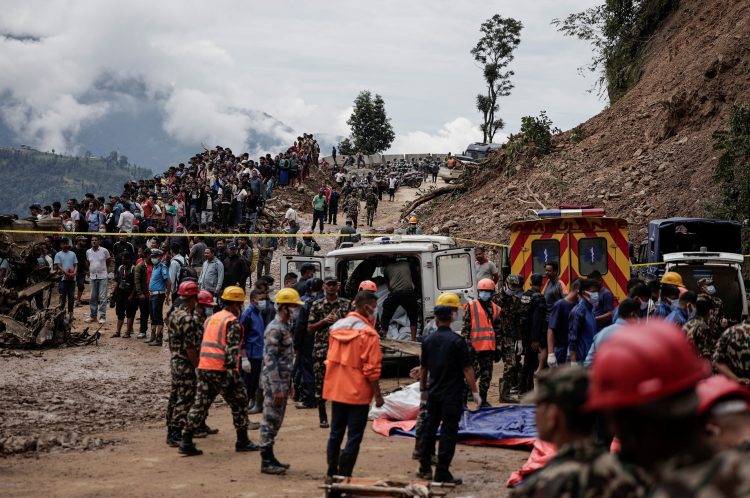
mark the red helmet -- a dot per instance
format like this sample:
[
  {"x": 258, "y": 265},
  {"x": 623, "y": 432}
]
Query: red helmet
[
  {"x": 718, "y": 387},
  {"x": 368, "y": 285},
  {"x": 486, "y": 284},
  {"x": 643, "y": 363},
  {"x": 188, "y": 288},
  {"x": 206, "y": 298}
]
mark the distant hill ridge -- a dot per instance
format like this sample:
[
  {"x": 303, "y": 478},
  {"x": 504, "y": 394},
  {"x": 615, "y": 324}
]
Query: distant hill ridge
[{"x": 30, "y": 176}]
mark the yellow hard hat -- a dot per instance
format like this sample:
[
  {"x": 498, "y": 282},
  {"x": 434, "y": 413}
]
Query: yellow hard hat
[
  {"x": 448, "y": 299},
  {"x": 288, "y": 296},
  {"x": 672, "y": 278},
  {"x": 233, "y": 293},
  {"x": 413, "y": 219}
]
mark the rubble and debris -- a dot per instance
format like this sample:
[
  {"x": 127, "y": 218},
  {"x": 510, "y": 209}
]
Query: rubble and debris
[{"x": 44, "y": 328}]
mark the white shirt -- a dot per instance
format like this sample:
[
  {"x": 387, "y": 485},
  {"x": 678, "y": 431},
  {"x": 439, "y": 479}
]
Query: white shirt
[
  {"x": 291, "y": 215},
  {"x": 241, "y": 195},
  {"x": 126, "y": 221},
  {"x": 97, "y": 262},
  {"x": 75, "y": 216},
  {"x": 392, "y": 183},
  {"x": 340, "y": 177}
]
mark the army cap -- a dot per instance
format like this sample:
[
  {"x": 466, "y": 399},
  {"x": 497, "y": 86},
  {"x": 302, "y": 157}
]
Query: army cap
[
  {"x": 566, "y": 386},
  {"x": 514, "y": 281},
  {"x": 706, "y": 281}
]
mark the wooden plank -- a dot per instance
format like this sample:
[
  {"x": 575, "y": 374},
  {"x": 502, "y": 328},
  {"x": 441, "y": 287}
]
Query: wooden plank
[
  {"x": 406, "y": 347},
  {"x": 34, "y": 289}
]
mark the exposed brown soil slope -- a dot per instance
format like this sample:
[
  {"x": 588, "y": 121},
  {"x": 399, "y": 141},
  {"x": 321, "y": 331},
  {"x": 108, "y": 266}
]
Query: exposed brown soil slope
[{"x": 650, "y": 155}]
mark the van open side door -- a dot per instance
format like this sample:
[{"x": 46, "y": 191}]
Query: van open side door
[{"x": 453, "y": 271}]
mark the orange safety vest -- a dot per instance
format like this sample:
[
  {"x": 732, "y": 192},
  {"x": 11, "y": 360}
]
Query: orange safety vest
[
  {"x": 482, "y": 335},
  {"x": 214, "y": 345}
]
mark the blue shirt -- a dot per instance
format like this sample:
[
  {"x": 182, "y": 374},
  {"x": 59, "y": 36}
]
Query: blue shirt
[
  {"x": 254, "y": 328},
  {"x": 582, "y": 329},
  {"x": 159, "y": 278},
  {"x": 599, "y": 338},
  {"x": 66, "y": 260},
  {"x": 678, "y": 317},
  {"x": 662, "y": 309},
  {"x": 605, "y": 305},
  {"x": 558, "y": 320}
]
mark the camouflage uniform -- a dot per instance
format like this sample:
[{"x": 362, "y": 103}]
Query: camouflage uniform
[
  {"x": 726, "y": 474},
  {"x": 482, "y": 361},
  {"x": 352, "y": 209},
  {"x": 580, "y": 468},
  {"x": 733, "y": 349},
  {"x": 702, "y": 335},
  {"x": 276, "y": 376},
  {"x": 319, "y": 310},
  {"x": 225, "y": 382},
  {"x": 509, "y": 323},
  {"x": 371, "y": 204},
  {"x": 182, "y": 337}
]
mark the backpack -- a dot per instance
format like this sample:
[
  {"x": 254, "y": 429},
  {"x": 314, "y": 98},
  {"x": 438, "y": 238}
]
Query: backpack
[
  {"x": 307, "y": 250},
  {"x": 186, "y": 272}
]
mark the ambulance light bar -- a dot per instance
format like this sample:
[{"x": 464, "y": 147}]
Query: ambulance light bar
[{"x": 570, "y": 213}]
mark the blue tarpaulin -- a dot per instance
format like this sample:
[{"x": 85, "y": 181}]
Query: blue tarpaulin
[{"x": 492, "y": 425}]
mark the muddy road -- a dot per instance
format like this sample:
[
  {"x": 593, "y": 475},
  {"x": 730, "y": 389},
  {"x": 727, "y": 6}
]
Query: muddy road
[{"x": 89, "y": 421}]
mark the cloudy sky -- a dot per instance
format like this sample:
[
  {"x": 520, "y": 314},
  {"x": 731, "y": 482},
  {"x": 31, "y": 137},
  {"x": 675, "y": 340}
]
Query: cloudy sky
[{"x": 301, "y": 62}]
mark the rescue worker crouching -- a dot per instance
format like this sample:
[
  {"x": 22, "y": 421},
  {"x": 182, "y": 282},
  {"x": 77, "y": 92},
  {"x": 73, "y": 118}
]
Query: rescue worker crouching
[
  {"x": 218, "y": 373},
  {"x": 276, "y": 376},
  {"x": 445, "y": 363},
  {"x": 481, "y": 330}
]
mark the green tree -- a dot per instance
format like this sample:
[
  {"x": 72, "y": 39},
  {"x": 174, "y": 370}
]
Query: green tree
[
  {"x": 494, "y": 50},
  {"x": 371, "y": 130},
  {"x": 619, "y": 30},
  {"x": 345, "y": 147},
  {"x": 732, "y": 173}
]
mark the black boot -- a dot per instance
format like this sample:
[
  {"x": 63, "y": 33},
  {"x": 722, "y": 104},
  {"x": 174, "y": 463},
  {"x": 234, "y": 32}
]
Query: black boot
[
  {"x": 258, "y": 405},
  {"x": 204, "y": 430},
  {"x": 425, "y": 473},
  {"x": 275, "y": 461},
  {"x": 174, "y": 436},
  {"x": 266, "y": 462},
  {"x": 346, "y": 465},
  {"x": 187, "y": 447},
  {"x": 243, "y": 442},
  {"x": 505, "y": 395},
  {"x": 323, "y": 414},
  {"x": 444, "y": 475}
]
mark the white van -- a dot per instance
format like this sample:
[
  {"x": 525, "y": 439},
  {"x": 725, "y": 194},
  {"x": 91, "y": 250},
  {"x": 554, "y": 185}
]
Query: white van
[{"x": 438, "y": 265}]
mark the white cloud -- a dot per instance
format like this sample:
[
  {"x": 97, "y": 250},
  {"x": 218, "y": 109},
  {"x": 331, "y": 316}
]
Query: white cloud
[
  {"x": 211, "y": 59},
  {"x": 452, "y": 137}
]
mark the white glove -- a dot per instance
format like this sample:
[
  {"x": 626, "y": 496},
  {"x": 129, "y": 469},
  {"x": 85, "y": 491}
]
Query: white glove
[
  {"x": 551, "y": 360},
  {"x": 477, "y": 399},
  {"x": 245, "y": 364}
]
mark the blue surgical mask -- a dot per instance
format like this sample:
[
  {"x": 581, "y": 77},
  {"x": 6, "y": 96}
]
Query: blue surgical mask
[
  {"x": 261, "y": 305},
  {"x": 594, "y": 298},
  {"x": 485, "y": 295},
  {"x": 711, "y": 290}
]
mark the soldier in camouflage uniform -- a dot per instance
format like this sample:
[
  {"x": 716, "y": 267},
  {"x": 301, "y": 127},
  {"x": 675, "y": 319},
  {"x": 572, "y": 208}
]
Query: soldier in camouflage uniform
[
  {"x": 580, "y": 468},
  {"x": 699, "y": 332},
  {"x": 732, "y": 355},
  {"x": 183, "y": 346},
  {"x": 324, "y": 313},
  {"x": 659, "y": 428},
  {"x": 716, "y": 320},
  {"x": 218, "y": 373},
  {"x": 509, "y": 301},
  {"x": 352, "y": 209},
  {"x": 371, "y": 205},
  {"x": 276, "y": 376}
]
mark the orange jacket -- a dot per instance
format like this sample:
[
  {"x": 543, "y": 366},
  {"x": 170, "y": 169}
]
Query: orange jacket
[{"x": 354, "y": 360}]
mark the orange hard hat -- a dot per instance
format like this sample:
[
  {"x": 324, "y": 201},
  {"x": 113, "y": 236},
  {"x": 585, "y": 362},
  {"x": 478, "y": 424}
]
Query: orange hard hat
[
  {"x": 486, "y": 284},
  {"x": 367, "y": 285}
]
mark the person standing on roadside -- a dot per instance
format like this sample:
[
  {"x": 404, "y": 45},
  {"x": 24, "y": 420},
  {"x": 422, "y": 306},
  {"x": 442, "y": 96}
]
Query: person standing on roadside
[
  {"x": 212, "y": 273},
  {"x": 352, "y": 380},
  {"x": 319, "y": 209},
  {"x": 276, "y": 376},
  {"x": 97, "y": 259},
  {"x": 126, "y": 303},
  {"x": 333, "y": 207},
  {"x": 142, "y": 277},
  {"x": 66, "y": 263},
  {"x": 445, "y": 362},
  {"x": 266, "y": 246},
  {"x": 159, "y": 291},
  {"x": 218, "y": 373},
  {"x": 553, "y": 289},
  {"x": 483, "y": 267},
  {"x": 292, "y": 224},
  {"x": 80, "y": 251}
]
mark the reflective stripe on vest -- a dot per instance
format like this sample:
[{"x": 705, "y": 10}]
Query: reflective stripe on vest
[
  {"x": 482, "y": 335},
  {"x": 214, "y": 344}
]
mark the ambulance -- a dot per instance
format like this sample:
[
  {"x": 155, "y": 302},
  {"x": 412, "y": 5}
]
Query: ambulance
[
  {"x": 438, "y": 264},
  {"x": 581, "y": 241}
]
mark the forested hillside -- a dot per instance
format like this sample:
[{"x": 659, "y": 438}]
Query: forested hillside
[{"x": 31, "y": 176}]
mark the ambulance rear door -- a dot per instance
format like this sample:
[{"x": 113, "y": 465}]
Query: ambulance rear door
[
  {"x": 452, "y": 271},
  {"x": 292, "y": 263}
]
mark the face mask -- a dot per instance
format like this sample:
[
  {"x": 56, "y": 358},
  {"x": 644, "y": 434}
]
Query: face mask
[
  {"x": 711, "y": 290},
  {"x": 155, "y": 261},
  {"x": 644, "y": 306},
  {"x": 261, "y": 305},
  {"x": 295, "y": 312},
  {"x": 485, "y": 295},
  {"x": 593, "y": 297},
  {"x": 675, "y": 305}
]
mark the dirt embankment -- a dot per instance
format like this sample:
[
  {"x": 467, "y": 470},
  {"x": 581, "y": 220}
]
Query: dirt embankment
[{"x": 648, "y": 156}]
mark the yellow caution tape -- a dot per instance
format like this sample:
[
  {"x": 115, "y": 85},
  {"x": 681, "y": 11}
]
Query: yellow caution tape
[
  {"x": 649, "y": 264},
  {"x": 481, "y": 242}
]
